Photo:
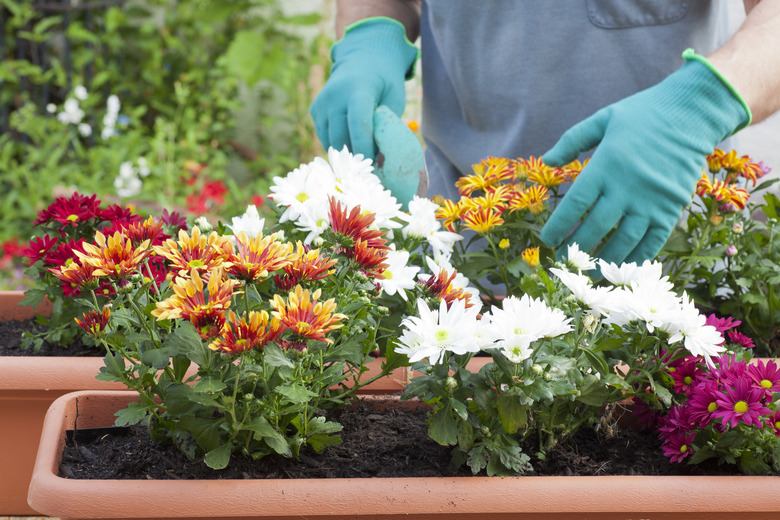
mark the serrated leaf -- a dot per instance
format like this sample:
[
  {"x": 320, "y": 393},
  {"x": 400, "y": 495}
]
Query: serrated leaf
[
  {"x": 133, "y": 414},
  {"x": 209, "y": 384},
  {"x": 295, "y": 393},
  {"x": 320, "y": 441},
  {"x": 263, "y": 430},
  {"x": 275, "y": 356}
]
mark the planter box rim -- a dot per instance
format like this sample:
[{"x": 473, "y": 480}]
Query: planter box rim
[{"x": 274, "y": 498}]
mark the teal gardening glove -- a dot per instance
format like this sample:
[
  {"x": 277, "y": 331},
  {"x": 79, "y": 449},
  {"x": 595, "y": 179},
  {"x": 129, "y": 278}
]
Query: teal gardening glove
[
  {"x": 370, "y": 65},
  {"x": 651, "y": 150}
]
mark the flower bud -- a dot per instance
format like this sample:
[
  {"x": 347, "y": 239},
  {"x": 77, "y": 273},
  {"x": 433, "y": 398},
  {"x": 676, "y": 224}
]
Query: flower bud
[
  {"x": 537, "y": 370},
  {"x": 451, "y": 383},
  {"x": 547, "y": 377},
  {"x": 731, "y": 250},
  {"x": 716, "y": 219},
  {"x": 737, "y": 228}
]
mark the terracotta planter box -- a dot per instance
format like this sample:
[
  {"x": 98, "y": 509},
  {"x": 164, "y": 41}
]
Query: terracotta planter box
[
  {"x": 473, "y": 498},
  {"x": 29, "y": 384}
]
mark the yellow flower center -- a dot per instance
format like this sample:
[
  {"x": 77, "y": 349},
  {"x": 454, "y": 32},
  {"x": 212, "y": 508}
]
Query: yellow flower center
[
  {"x": 712, "y": 407},
  {"x": 766, "y": 383},
  {"x": 196, "y": 263},
  {"x": 687, "y": 380},
  {"x": 441, "y": 335},
  {"x": 387, "y": 274},
  {"x": 683, "y": 448},
  {"x": 73, "y": 218},
  {"x": 302, "y": 197},
  {"x": 740, "y": 407}
]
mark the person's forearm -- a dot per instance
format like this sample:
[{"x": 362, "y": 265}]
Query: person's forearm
[
  {"x": 750, "y": 60},
  {"x": 405, "y": 11}
]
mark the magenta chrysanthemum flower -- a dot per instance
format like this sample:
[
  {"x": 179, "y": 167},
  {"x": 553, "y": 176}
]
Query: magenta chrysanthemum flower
[
  {"x": 677, "y": 420},
  {"x": 722, "y": 324},
  {"x": 646, "y": 416},
  {"x": 774, "y": 422},
  {"x": 729, "y": 369},
  {"x": 765, "y": 377},
  {"x": 686, "y": 374},
  {"x": 678, "y": 445},
  {"x": 703, "y": 401},
  {"x": 742, "y": 403},
  {"x": 737, "y": 338}
]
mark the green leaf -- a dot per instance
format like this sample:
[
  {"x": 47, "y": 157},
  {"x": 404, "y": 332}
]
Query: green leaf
[
  {"x": 275, "y": 356},
  {"x": 295, "y": 393},
  {"x": 512, "y": 413},
  {"x": 209, "y": 384},
  {"x": 263, "y": 430},
  {"x": 245, "y": 56},
  {"x": 443, "y": 428},
  {"x": 205, "y": 431},
  {"x": 218, "y": 458},
  {"x": 133, "y": 414}
]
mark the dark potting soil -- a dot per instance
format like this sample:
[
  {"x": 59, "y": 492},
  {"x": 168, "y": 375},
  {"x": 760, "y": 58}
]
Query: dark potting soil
[
  {"x": 11, "y": 342},
  {"x": 388, "y": 442}
]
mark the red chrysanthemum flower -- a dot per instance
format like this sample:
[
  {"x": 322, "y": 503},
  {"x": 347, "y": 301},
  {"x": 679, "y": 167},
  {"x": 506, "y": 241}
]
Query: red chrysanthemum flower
[
  {"x": 355, "y": 225},
  {"x": 64, "y": 253},
  {"x": 742, "y": 403},
  {"x": 251, "y": 332},
  {"x": 76, "y": 277},
  {"x": 114, "y": 256},
  {"x": 307, "y": 317},
  {"x": 256, "y": 257},
  {"x": 70, "y": 211},
  {"x": 203, "y": 306},
  {"x": 139, "y": 231},
  {"x": 439, "y": 286},
  {"x": 117, "y": 214},
  {"x": 173, "y": 221},
  {"x": 198, "y": 252},
  {"x": 39, "y": 248},
  {"x": 94, "y": 323},
  {"x": 645, "y": 415},
  {"x": 306, "y": 265}
]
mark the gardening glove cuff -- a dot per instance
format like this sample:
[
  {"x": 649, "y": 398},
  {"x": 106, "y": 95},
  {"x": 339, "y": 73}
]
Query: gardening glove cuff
[
  {"x": 370, "y": 65},
  {"x": 652, "y": 147}
]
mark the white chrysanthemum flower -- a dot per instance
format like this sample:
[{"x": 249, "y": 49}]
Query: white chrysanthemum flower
[
  {"x": 203, "y": 224},
  {"x": 579, "y": 259},
  {"x": 346, "y": 166},
  {"x": 72, "y": 113},
  {"x": 522, "y": 321},
  {"x": 601, "y": 300},
  {"x": 307, "y": 184},
  {"x": 250, "y": 223},
  {"x": 435, "y": 332},
  {"x": 372, "y": 197},
  {"x": 51, "y": 108},
  {"x": 690, "y": 326},
  {"x": 85, "y": 130},
  {"x": 80, "y": 92},
  {"x": 399, "y": 277},
  {"x": 627, "y": 273},
  {"x": 652, "y": 302},
  {"x": 422, "y": 223},
  {"x": 113, "y": 105}
]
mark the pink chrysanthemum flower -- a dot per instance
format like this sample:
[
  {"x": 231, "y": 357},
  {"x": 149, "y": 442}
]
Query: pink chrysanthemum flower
[
  {"x": 677, "y": 420},
  {"x": 765, "y": 377},
  {"x": 729, "y": 369},
  {"x": 678, "y": 445},
  {"x": 742, "y": 403},
  {"x": 686, "y": 374},
  {"x": 774, "y": 422},
  {"x": 645, "y": 415},
  {"x": 703, "y": 401},
  {"x": 722, "y": 324},
  {"x": 740, "y": 339}
]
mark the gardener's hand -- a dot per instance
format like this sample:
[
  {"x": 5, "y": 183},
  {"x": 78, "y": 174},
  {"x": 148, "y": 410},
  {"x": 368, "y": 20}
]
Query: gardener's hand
[
  {"x": 651, "y": 150},
  {"x": 370, "y": 65}
]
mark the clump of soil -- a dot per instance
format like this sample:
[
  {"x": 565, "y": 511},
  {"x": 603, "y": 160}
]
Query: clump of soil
[
  {"x": 386, "y": 442},
  {"x": 11, "y": 342}
]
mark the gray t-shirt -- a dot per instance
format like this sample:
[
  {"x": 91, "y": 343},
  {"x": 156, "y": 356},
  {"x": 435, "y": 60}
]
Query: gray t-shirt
[{"x": 507, "y": 77}]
